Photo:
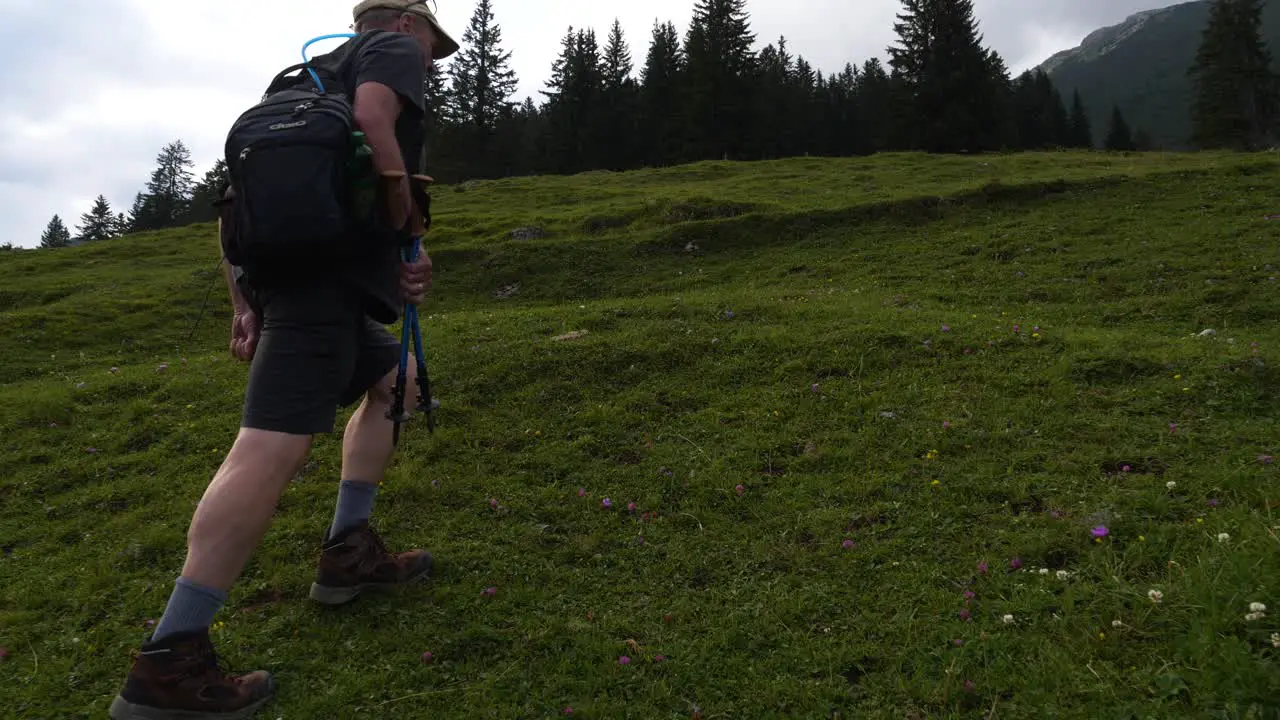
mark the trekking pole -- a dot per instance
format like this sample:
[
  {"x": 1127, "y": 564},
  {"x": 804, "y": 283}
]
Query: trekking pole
[{"x": 411, "y": 327}]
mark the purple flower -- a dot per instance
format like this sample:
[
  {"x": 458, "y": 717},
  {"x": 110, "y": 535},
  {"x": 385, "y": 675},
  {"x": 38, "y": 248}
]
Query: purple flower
[
  {"x": 631, "y": 507},
  {"x": 1100, "y": 531},
  {"x": 659, "y": 658},
  {"x": 958, "y": 642},
  {"x": 969, "y": 686},
  {"x": 969, "y": 595},
  {"x": 982, "y": 567},
  {"x": 966, "y": 615},
  {"x": 1126, "y": 469},
  {"x": 739, "y": 489},
  {"x": 624, "y": 660},
  {"x": 490, "y": 591},
  {"x": 946, "y": 424},
  {"x": 582, "y": 492},
  {"x": 427, "y": 657},
  {"x": 814, "y": 387},
  {"x": 1266, "y": 459},
  {"x": 1213, "y": 502},
  {"x": 848, "y": 544},
  {"x": 1015, "y": 563},
  {"x": 946, "y": 328},
  {"x": 606, "y": 503},
  {"x": 493, "y": 503},
  {"x": 1173, "y": 427}
]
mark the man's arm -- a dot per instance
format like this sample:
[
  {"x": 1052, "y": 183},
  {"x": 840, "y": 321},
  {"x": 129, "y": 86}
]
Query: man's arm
[{"x": 377, "y": 107}]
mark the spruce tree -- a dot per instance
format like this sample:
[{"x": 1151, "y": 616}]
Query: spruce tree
[
  {"x": 97, "y": 224},
  {"x": 1119, "y": 137},
  {"x": 573, "y": 106},
  {"x": 719, "y": 63},
  {"x": 482, "y": 84},
  {"x": 168, "y": 196},
  {"x": 55, "y": 234},
  {"x": 620, "y": 119},
  {"x": 206, "y": 193},
  {"x": 661, "y": 97},
  {"x": 1080, "y": 134},
  {"x": 954, "y": 90},
  {"x": 1234, "y": 101}
]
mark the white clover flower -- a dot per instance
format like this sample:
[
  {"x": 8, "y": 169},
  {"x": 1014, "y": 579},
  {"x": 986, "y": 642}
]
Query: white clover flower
[
  {"x": 1275, "y": 639},
  {"x": 1171, "y": 484},
  {"x": 1044, "y": 571},
  {"x": 1255, "y": 616},
  {"x": 1155, "y": 595},
  {"x": 1063, "y": 574},
  {"x": 1008, "y": 619},
  {"x": 1117, "y": 624},
  {"x": 1223, "y": 537},
  {"x": 1257, "y": 607}
]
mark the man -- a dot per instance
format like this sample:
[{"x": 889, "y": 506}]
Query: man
[{"x": 316, "y": 342}]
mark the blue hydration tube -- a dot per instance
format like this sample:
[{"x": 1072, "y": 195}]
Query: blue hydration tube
[{"x": 311, "y": 42}]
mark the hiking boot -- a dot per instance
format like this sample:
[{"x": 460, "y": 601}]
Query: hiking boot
[
  {"x": 179, "y": 678},
  {"x": 356, "y": 559}
]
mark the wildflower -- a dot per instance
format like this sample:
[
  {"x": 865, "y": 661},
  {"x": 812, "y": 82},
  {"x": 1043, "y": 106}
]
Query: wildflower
[
  {"x": 1155, "y": 595},
  {"x": 966, "y": 615},
  {"x": 1063, "y": 574},
  {"x": 606, "y": 503},
  {"x": 1008, "y": 619},
  {"x": 1257, "y": 607},
  {"x": 739, "y": 489},
  {"x": 814, "y": 387},
  {"x": 848, "y": 544},
  {"x": 568, "y": 711},
  {"x": 1126, "y": 469},
  {"x": 946, "y": 328},
  {"x": 582, "y": 492},
  {"x": 969, "y": 595},
  {"x": 1100, "y": 531},
  {"x": 1173, "y": 427},
  {"x": 1223, "y": 537},
  {"x": 428, "y": 657},
  {"x": 1266, "y": 459},
  {"x": 493, "y": 503},
  {"x": 631, "y": 507},
  {"x": 659, "y": 658},
  {"x": 1275, "y": 640},
  {"x": 969, "y": 686},
  {"x": 1117, "y": 624},
  {"x": 1213, "y": 502},
  {"x": 946, "y": 424},
  {"x": 490, "y": 591},
  {"x": 1142, "y": 538},
  {"x": 1015, "y": 563},
  {"x": 936, "y": 483},
  {"x": 1171, "y": 484},
  {"x": 982, "y": 568},
  {"x": 624, "y": 660},
  {"x": 1254, "y": 616},
  {"x": 1044, "y": 571}
]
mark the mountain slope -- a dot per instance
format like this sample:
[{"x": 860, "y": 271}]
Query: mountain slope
[{"x": 1141, "y": 65}]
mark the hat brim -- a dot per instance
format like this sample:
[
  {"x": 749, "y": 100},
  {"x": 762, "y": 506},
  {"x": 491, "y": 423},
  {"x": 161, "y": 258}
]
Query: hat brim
[{"x": 446, "y": 45}]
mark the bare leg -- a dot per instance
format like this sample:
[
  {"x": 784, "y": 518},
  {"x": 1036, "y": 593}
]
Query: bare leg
[
  {"x": 366, "y": 445},
  {"x": 237, "y": 507}
]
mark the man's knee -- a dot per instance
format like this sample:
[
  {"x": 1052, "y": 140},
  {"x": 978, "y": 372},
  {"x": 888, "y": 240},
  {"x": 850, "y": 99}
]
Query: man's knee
[{"x": 274, "y": 456}]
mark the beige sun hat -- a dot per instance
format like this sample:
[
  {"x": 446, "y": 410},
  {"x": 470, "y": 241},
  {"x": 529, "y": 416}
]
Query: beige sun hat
[{"x": 443, "y": 49}]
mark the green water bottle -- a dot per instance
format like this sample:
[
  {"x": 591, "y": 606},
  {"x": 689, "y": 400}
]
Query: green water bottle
[{"x": 364, "y": 183}]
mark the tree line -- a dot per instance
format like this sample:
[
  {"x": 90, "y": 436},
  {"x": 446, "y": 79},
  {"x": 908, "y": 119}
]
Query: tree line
[
  {"x": 172, "y": 197},
  {"x": 710, "y": 95}
]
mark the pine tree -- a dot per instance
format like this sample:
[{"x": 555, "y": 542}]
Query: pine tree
[
  {"x": 573, "y": 104},
  {"x": 1234, "y": 90},
  {"x": 121, "y": 226},
  {"x": 719, "y": 63},
  {"x": 55, "y": 234},
  {"x": 1079, "y": 134},
  {"x": 97, "y": 224},
  {"x": 661, "y": 97},
  {"x": 1119, "y": 137},
  {"x": 954, "y": 89}
]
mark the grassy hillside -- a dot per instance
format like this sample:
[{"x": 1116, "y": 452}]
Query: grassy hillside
[
  {"x": 871, "y": 413},
  {"x": 1141, "y": 65}
]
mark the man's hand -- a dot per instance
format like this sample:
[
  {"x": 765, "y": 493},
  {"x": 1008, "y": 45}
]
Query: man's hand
[
  {"x": 415, "y": 278},
  {"x": 244, "y": 335}
]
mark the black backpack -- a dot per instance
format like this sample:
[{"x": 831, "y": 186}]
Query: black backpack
[{"x": 300, "y": 196}]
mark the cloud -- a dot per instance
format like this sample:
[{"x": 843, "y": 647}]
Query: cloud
[{"x": 96, "y": 89}]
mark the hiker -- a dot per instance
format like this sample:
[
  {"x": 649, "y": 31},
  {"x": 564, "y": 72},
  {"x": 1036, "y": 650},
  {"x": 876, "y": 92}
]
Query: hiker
[{"x": 316, "y": 342}]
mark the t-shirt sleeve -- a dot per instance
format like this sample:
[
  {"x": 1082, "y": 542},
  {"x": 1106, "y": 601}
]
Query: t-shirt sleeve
[{"x": 394, "y": 60}]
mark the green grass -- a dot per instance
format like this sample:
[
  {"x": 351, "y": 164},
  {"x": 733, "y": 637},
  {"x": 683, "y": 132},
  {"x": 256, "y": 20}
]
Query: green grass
[{"x": 775, "y": 325}]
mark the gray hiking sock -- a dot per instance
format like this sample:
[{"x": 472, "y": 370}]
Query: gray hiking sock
[
  {"x": 191, "y": 607},
  {"x": 355, "y": 503}
]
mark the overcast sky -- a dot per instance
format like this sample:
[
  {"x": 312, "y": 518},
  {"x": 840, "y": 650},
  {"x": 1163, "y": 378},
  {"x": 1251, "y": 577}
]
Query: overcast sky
[{"x": 93, "y": 89}]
